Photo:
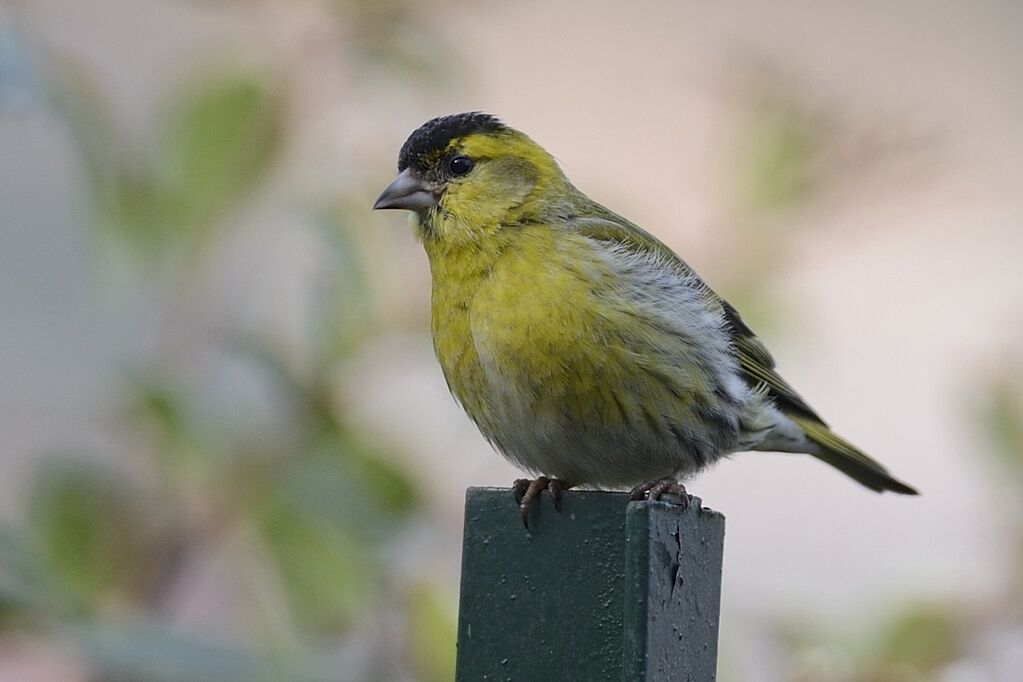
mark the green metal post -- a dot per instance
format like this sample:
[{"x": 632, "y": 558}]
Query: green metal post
[{"x": 606, "y": 589}]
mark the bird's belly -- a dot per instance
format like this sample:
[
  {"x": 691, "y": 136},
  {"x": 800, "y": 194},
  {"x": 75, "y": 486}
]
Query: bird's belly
[
  {"x": 591, "y": 426},
  {"x": 553, "y": 383}
]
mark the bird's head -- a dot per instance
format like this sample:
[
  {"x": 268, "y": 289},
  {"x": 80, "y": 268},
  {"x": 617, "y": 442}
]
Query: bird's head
[{"x": 467, "y": 175}]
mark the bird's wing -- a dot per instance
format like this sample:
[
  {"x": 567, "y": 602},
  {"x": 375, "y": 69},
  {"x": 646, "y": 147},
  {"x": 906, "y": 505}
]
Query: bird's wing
[{"x": 755, "y": 362}]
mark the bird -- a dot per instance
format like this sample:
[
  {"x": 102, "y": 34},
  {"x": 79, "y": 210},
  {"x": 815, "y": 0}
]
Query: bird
[{"x": 585, "y": 350}]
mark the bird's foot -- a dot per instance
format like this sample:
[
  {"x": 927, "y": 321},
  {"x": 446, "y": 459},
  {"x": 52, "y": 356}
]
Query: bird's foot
[
  {"x": 658, "y": 487},
  {"x": 526, "y": 491}
]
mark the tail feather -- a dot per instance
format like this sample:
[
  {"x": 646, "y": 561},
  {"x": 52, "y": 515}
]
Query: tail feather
[{"x": 848, "y": 459}]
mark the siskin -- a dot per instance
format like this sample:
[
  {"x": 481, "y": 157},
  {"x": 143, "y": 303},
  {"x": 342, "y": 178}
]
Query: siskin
[{"x": 584, "y": 349}]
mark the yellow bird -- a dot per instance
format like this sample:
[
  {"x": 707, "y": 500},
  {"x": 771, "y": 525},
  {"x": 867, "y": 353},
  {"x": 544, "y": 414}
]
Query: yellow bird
[{"x": 585, "y": 350}]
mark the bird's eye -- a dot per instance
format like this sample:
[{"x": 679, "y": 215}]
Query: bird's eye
[{"x": 460, "y": 165}]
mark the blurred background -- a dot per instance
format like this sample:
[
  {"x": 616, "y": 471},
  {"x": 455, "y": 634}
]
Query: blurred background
[{"x": 227, "y": 451}]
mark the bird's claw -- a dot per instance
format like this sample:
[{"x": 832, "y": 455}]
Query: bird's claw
[
  {"x": 656, "y": 488},
  {"x": 526, "y": 491}
]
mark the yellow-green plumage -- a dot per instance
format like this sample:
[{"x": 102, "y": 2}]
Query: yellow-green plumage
[{"x": 581, "y": 346}]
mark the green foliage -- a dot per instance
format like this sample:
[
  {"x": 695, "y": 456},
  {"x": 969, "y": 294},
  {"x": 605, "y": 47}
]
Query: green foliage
[
  {"x": 315, "y": 501},
  {"x": 999, "y": 414},
  {"x": 217, "y": 144},
  {"x": 392, "y": 39},
  {"x": 775, "y": 169},
  {"x": 157, "y": 407},
  {"x": 324, "y": 571},
  {"x": 28, "y": 585},
  {"x": 346, "y": 297},
  {"x": 916, "y": 643},
  {"x": 778, "y": 155},
  {"x": 432, "y": 634},
  {"x": 143, "y": 650},
  {"x": 94, "y": 531}
]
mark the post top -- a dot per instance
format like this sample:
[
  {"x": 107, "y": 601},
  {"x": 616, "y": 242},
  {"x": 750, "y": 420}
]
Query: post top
[{"x": 503, "y": 496}]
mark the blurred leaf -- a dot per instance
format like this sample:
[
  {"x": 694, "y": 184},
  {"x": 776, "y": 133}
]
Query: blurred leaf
[
  {"x": 397, "y": 35},
  {"x": 365, "y": 467},
  {"x": 1000, "y": 415},
  {"x": 342, "y": 484},
  {"x": 323, "y": 568},
  {"x": 149, "y": 652},
  {"x": 777, "y": 157},
  {"x": 141, "y": 209},
  {"x": 344, "y": 305},
  {"x": 91, "y": 529},
  {"x": 27, "y": 585},
  {"x": 920, "y": 639},
  {"x": 432, "y": 634},
  {"x": 159, "y": 409},
  {"x": 310, "y": 404},
  {"x": 220, "y": 143},
  {"x": 385, "y": 483},
  {"x": 129, "y": 202}
]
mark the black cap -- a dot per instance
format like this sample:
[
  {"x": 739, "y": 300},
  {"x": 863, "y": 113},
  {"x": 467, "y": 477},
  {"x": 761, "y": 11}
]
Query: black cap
[{"x": 433, "y": 137}]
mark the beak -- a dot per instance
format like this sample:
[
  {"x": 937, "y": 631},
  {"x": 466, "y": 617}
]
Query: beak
[{"x": 408, "y": 192}]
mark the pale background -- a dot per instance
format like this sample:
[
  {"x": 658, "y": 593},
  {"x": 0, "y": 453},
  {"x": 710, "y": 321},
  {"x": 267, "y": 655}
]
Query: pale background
[{"x": 849, "y": 175}]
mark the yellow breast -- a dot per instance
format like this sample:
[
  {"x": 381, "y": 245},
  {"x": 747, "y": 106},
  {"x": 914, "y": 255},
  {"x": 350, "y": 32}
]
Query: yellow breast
[{"x": 516, "y": 324}]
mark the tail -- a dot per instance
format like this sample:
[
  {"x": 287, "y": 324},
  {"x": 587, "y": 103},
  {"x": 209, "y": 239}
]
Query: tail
[{"x": 848, "y": 459}]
